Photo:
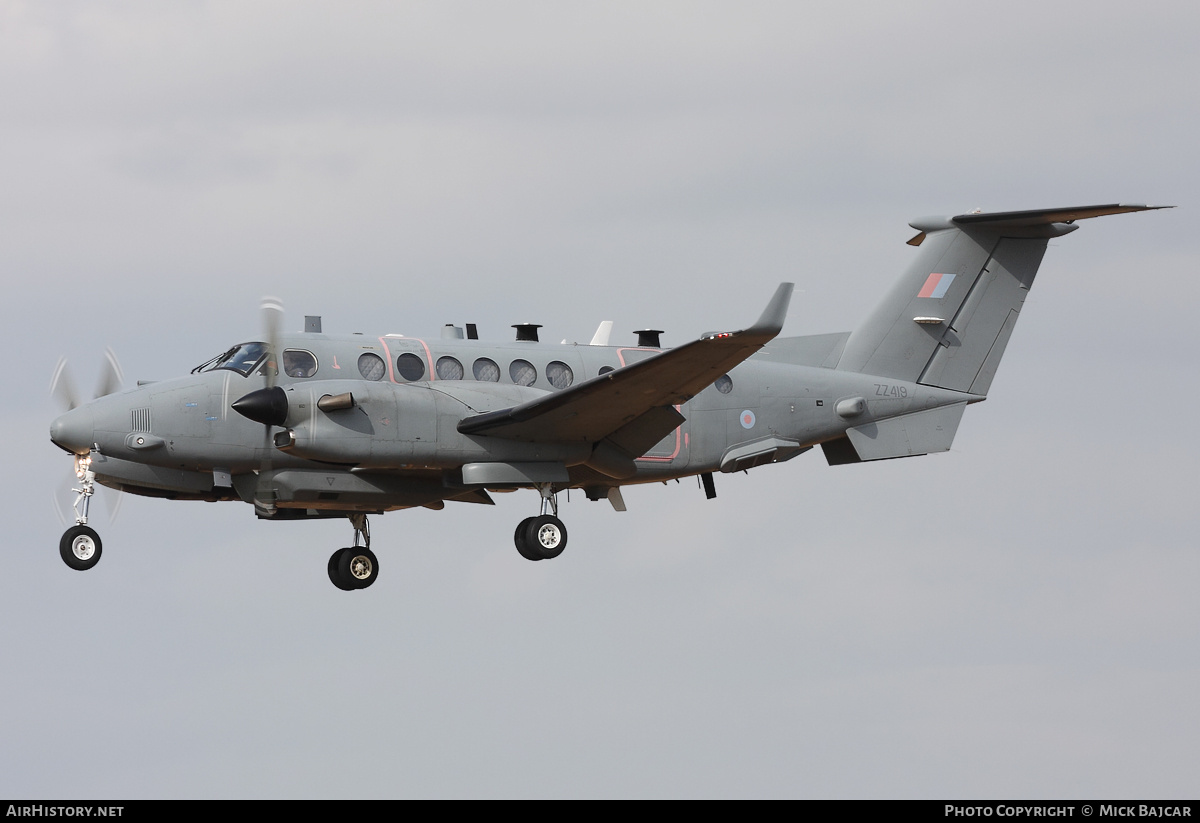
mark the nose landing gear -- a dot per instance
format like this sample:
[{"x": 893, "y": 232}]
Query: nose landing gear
[
  {"x": 80, "y": 546},
  {"x": 543, "y": 537},
  {"x": 355, "y": 567}
]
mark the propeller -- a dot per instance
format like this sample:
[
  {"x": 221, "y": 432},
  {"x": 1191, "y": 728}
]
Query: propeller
[
  {"x": 62, "y": 389},
  {"x": 271, "y": 397},
  {"x": 272, "y": 319},
  {"x": 267, "y": 405}
]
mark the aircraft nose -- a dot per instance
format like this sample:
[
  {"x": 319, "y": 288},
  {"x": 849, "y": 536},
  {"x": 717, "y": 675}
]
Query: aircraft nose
[{"x": 74, "y": 431}]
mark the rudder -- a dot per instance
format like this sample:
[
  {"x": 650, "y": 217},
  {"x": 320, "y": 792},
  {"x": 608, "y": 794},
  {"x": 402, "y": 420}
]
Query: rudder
[{"x": 969, "y": 351}]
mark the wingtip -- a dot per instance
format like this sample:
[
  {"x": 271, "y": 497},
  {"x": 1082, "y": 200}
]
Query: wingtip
[
  {"x": 769, "y": 323},
  {"x": 775, "y": 313}
]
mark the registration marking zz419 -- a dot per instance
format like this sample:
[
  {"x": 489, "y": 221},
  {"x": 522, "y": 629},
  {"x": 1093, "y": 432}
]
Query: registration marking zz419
[{"x": 888, "y": 390}]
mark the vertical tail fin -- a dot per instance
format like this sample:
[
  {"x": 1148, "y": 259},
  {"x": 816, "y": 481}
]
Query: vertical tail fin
[{"x": 947, "y": 321}]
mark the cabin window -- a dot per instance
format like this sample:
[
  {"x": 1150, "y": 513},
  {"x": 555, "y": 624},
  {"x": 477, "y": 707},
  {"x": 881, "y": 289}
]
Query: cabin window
[
  {"x": 605, "y": 370},
  {"x": 559, "y": 374},
  {"x": 724, "y": 384},
  {"x": 486, "y": 370},
  {"x": 371, "y": 366},
  {"x": 449, "y": 369},
  {"x": 522, "y": 372},
  {"x": 299, "y": 363},
  {"x": 410, "y": 366}
]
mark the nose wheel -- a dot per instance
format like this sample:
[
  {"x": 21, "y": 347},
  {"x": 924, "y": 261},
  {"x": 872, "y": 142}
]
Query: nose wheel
[
  {"x": 80, "y": 545},
  {"x": 355, "y": 567}
]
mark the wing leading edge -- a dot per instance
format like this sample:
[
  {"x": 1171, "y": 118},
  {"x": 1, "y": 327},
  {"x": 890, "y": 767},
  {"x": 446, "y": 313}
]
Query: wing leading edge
[{"x": 634, "y": 404}]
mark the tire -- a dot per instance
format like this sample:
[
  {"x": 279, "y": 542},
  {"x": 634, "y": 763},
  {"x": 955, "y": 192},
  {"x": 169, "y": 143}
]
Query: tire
[
  {"x": 80, "y": 548},
  {"x": 521, "y": 539},
  {"x": 335, "y": 577},
  {"x": 547, "y": 535},
  {"x": 358, "y": 567}
]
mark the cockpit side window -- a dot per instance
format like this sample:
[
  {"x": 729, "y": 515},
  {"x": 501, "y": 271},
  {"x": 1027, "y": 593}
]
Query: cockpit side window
[{"x": 299, "y": 363}]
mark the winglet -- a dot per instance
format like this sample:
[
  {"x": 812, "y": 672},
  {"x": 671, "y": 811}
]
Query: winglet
[{"x": 771, "y": 321}]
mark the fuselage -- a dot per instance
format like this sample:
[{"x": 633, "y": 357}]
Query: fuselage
[{"x": 411, "y": 393}]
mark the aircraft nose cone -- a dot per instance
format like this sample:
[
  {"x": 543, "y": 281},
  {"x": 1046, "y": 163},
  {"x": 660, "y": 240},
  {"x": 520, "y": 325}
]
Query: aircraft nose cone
[{"x": 74, "y": 431}]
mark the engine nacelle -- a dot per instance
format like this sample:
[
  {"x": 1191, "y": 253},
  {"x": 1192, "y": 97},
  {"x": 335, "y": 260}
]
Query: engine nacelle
[{"x": 406, "y": 425}]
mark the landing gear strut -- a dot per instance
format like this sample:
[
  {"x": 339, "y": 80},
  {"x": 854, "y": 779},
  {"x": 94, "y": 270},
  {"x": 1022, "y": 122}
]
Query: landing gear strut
[
  {"x": 80, "y": 546},
  {"x": 543, "y": 537},
  {"x": 355, "y": 567}
]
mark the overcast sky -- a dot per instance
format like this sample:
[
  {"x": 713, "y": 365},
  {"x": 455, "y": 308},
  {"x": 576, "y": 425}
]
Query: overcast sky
[{"x": 1016, "y": 618}]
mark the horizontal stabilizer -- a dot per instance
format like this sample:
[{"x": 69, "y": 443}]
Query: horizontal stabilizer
[
  {"x": 1043, "y": 217},
  {"x": 909, "y": 435},
  {"x": 820, "y": 350}
]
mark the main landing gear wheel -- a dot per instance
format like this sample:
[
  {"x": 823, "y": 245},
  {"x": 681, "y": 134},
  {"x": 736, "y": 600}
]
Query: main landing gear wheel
[
  {"x": 543, "y": 537},
  {"x": 540, "y": 538},
  {"x": 334, "y": 575},
  {"x": 548, "y": 535},
  {"x": 80, "y": 548},
  {"x": 353, "y": 568},
  {"x": 524, "y": 545},
  {"x": 359, "y": 567}
]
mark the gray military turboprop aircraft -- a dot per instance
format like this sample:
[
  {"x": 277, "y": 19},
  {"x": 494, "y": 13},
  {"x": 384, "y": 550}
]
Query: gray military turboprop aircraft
[{"x": 353, "y": 425}]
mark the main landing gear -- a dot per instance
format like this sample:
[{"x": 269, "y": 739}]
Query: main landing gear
[
  {"x": 542, "y": 537},
  {"x": 355, "y": 567},
  {"x": 80, "y": 546}
]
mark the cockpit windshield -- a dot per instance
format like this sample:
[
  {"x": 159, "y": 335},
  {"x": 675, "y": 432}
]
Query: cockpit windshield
[{"x": 241, "y": 359}]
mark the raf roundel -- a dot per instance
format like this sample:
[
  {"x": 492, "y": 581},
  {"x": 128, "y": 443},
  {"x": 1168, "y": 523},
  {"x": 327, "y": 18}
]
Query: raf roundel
[{"x": 747, "y": 419}]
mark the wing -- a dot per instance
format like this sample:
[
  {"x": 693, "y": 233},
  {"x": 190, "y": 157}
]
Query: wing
[{"x": 597, "y": 408}]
